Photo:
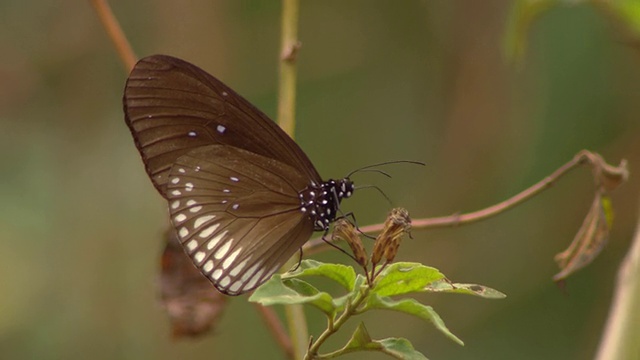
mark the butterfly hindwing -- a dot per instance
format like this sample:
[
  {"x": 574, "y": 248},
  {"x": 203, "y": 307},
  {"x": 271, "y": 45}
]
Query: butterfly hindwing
[{"x": 238, "y": 224}]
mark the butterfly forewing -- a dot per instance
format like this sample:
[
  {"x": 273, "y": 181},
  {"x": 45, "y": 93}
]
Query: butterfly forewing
[
  {"x": 239, "y": 224},
  {"x": 172, "y": 107}
]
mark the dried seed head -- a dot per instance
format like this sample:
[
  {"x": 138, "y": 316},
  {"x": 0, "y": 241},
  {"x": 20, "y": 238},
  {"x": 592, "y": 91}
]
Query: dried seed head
[
  {"x": 387, "y": 243},
  {"x": 346, "y": 231}
]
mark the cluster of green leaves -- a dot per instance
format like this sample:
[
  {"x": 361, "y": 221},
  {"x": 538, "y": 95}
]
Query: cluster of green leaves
[{"x": 400, "y": 278}]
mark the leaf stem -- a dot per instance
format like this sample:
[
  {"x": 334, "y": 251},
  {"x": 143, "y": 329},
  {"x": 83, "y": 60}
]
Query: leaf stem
[
  {"x": 115, "y": 33},
  {"x": 334, "y": 326},
  {"x": 583, "y": 157},
  {"x": 277, "y": 330}
]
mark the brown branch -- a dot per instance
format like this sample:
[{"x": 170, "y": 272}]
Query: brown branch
[
  {"x": 613, "y": 174},
  {"x": 277, "y": 330},
  {"x": 115, "y": 33}
]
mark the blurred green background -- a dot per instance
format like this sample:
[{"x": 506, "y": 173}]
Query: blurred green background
[{"x": 81, "y": 224}]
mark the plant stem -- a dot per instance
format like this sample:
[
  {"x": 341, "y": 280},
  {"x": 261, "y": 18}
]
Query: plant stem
[
  {"x": 583, "y": 157},
  {"x": 288, "y": 69},
  {"x": 334, "y": 326},
  {"x": 277, "y": 330},
  {"x": 296, "y": 320},
  {"x": 115, "y": 33}
]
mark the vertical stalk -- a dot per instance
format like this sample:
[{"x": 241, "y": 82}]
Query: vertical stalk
[{"x": 296, "y": 320}]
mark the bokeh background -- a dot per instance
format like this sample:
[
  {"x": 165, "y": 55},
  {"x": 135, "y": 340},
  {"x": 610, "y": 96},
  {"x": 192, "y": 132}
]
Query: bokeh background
[{"x": 81, "y": 225}]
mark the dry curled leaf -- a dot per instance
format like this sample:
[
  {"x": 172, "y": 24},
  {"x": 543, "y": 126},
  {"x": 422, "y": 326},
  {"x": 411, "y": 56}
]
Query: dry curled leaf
[
  {"x": 594, "y": 232},
  {"x": 193, "y": 304},
  {"x": 589, "y": 241}
]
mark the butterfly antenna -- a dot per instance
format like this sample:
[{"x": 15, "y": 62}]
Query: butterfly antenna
[
  {"x": 377, "y": 171},
  {"x": 377, "y": 188},
  {"x": 385, "y": 163}
]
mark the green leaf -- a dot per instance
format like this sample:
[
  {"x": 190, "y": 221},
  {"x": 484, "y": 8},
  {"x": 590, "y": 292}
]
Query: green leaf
[
  {"x": 468, "y": 289},
  {"x": 396, "y": 347},
  {"x": 359, "y": 340},
  {"x": 342, "y": 274},
  {"x": 400, "y": 348},
  {"x": 411, "y": 307},
  {"x": 292, "y": 291},
  {"x": 405, "y": 277}
]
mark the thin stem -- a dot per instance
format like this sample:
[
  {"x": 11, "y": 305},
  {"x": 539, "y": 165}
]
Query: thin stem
[
  {"x": 334, "y": 326},
  {"x": 115, "y": 33},
  {"x": 288, "y": 69},
  {"x": 296, "y": 320},
  {"x": 583, "y": 157},
  {"x": 277, "y": 330}
]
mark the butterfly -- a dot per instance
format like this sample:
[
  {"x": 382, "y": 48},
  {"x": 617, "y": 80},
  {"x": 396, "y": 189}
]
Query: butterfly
[{"x": 243, "y": 197}]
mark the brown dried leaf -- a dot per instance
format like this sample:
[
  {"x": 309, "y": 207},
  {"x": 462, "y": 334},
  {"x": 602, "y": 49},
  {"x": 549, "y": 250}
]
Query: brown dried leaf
[
  {"x": 589, "y": 241},
  {"x": 193, "y": 304}
]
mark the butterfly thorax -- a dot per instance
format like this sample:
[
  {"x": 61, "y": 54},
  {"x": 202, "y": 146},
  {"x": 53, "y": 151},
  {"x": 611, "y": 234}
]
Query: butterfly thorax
[{"x": 322, "y": 201}]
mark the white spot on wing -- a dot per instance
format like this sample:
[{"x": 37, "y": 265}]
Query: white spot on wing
[
  {"x": 234, "y": 179},
  {"x": 224, "y": 93},
  {"x": 236, "y": 270},
  {"x": 195, "y": 209},
  {"x": 188, "y": 186},
  {"x": 225, "y": 281},
  {"x": 221, "y": 129},
  {"x": 180, "y": 218},
  {"x": 216, "y": 274},
  {"x": 202, "y": 219},
  {"x": 208, "y": 266},
  {"x": 192, "y": 245},
  {"x": 226, "y": 191},
  {"x": 175, "y": 180},
  {"x": 176, "y": 193},
  {"x": 246, "y": 276},
  {"x": 235, "y": 287},
  {"x": 223, "y": 250},
  {"x": 235, "y": 206},
  {"x": 191, "y": 202},
  {"x": 192, "y": 133},
  {"x": 231, "y": 258},
  {"x": 208, "y": 231},
  {"x": 183, "y": 232},
  {"x": 199, "y": 256},
  {"x": 181, "y": 171},
  {"x": 254, "y": 279},
  {"x": 175, "y": 204}
]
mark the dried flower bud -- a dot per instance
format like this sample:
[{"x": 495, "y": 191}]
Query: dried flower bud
[
  {"x": 346, "y": 231},
  {"x": 387, "y": 243}
]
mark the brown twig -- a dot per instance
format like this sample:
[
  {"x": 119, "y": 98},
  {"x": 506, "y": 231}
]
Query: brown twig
[
  {"x": 275, "y": 326},
  {"x": 583, "y": 157},
  {"x": 115, "y": 33}
]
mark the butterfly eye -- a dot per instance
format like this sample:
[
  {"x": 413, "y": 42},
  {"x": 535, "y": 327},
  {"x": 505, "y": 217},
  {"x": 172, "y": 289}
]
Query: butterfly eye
[{"x": 243, "y": 197}]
